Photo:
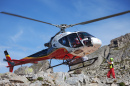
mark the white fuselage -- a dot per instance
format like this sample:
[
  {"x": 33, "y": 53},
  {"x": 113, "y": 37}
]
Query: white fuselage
[{"x": 87, "y": 44}]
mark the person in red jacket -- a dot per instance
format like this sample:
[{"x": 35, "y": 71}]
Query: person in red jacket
[{"x": 111, "y": 71}]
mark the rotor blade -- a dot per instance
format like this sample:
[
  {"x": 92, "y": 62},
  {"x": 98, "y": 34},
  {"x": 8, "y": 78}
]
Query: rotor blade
[
  {"x": 98, "y": 19},
  {"x": 27, "y": 18}
]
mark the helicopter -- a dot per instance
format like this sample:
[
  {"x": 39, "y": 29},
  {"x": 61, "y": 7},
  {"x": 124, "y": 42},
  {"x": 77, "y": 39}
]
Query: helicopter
[{"x": 66, "y": 46}]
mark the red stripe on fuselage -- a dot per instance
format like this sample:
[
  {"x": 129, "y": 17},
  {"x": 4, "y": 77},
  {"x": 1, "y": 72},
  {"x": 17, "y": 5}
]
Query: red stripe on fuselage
[{"x": 60, "y": 53}]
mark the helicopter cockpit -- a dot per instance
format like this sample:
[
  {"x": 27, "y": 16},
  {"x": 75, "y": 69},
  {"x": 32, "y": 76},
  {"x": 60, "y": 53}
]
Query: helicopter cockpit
[
  {"x": 75, "y": 40},
  {"x": 85, "y": 38}
]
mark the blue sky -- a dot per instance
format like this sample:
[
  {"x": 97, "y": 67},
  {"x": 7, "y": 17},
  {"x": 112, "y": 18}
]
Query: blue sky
[{"x": 23, "y": 37}]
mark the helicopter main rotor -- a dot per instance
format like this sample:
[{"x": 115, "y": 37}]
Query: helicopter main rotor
[{"x": 64, "y": 26}]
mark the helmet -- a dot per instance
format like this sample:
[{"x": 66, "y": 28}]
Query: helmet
[{"x": 111, "y": 59}]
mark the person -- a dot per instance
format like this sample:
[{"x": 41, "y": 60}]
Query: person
[
  {"x": 76, "y": 42},
  {"x": 111, "y": 71},
  {"x": 80, "y": 36}
]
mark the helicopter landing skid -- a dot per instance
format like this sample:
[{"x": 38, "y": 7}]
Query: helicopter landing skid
[
  {"x": 83, "y": 64},
  {"x": 70, "y": 63},
  {"x": 65, "y": 62}
]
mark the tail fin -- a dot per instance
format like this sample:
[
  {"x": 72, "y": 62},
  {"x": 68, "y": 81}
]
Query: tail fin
[{"x": 8, "y": 59}]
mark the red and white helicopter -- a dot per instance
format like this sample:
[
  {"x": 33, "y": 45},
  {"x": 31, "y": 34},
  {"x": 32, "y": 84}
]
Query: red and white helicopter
[{"x": 66, "y": 46}]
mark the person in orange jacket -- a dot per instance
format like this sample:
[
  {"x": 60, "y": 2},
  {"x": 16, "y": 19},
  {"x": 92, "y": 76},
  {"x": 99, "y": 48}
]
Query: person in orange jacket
[{"x": 111, "y": 71}]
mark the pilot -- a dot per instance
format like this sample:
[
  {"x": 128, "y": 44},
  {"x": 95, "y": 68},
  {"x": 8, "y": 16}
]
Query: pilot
[
  {"x": 80, "y": 36},
  {"x": 76, "y": 42}
]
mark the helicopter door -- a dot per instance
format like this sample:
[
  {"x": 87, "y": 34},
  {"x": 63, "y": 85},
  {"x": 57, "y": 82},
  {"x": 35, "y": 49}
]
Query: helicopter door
[{"x": 74, "y": 41}]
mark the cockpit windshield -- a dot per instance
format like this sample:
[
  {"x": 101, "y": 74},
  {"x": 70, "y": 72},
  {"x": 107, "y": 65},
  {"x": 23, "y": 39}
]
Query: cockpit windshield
[
  {"x": 83, "y": 35},
  {"x": 71, "y": 40},
  {"x": 74, "y": 40}
]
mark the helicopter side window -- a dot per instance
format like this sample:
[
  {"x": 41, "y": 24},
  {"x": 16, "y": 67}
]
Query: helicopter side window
[
  {"x": 64, "y": 41},
  {"x": 74, "y": 40},
  {"x": 83, "y": 35}
]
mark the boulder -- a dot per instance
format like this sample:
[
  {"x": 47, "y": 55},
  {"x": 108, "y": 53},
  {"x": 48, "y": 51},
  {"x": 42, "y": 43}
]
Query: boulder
[
  {"x": 24, "y": 70},
  {"x": 34, "y": 69},
  {"x": 13, "y": 78},
  {"x": 36, "y": 83},
  {"x": 77, "y": 79},
  {"x": 41, "y": 66},
  {"x": 121, "y": 41},
  {"x": 61, "y": 83}
]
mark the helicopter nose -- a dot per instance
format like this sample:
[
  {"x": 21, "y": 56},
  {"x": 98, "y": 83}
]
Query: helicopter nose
[{"x": 96, "y": 42}]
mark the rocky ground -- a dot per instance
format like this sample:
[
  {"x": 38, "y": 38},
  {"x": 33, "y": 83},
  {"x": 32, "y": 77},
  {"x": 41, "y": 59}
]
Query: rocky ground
[{"x": 94, "y": 75}]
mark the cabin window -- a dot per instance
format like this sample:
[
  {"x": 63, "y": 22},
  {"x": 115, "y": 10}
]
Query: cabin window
[
  {"x": 83, "y": 35},
  {"x": 74, "y": 40},
  {"x": 64, "y": 41}
]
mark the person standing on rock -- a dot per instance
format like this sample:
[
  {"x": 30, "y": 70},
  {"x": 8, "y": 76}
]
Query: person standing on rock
[{"x": 111, "y": 71}]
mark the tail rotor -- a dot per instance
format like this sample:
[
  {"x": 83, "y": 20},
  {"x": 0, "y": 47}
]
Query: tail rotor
[{"x": 8, "y": 60}]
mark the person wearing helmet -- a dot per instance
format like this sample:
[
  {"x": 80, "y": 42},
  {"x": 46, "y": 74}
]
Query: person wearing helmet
[{"x": 111, "y": 71}]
